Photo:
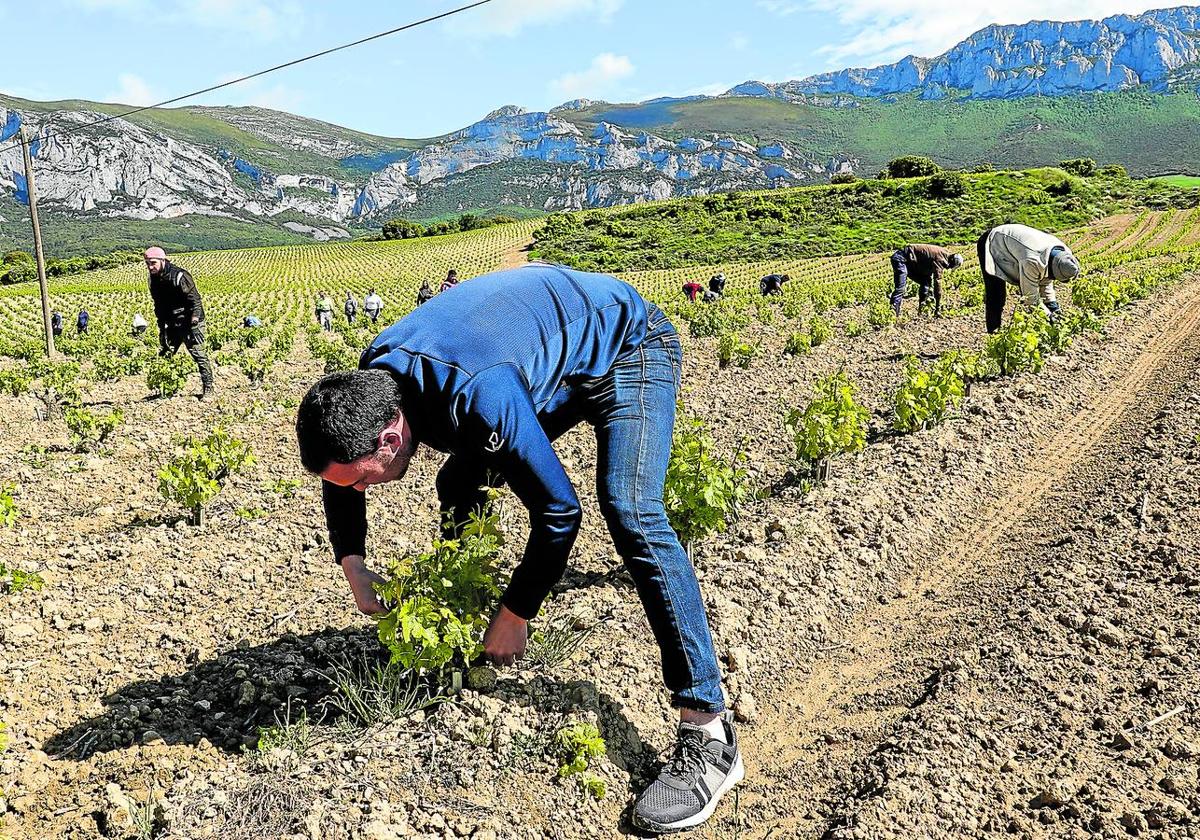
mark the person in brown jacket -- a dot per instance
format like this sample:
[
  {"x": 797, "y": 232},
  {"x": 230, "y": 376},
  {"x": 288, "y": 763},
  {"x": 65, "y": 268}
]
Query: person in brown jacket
[{"x": 924, "y": 264}]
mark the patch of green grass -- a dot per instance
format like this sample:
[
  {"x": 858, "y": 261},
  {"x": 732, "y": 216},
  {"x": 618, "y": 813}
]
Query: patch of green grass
[{"x": 1187, "y": 182}]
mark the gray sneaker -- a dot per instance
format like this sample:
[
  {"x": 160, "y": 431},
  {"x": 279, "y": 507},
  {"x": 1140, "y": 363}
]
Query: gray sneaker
[{"x": 685, "y": 794}]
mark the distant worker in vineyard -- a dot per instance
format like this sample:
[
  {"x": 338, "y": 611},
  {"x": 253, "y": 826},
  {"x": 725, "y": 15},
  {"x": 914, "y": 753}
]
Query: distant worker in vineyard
[
  {"x": 56, "y": 323},
  {"x": 450, "y": 282},
  {"x": 81, "y": 322},
  {"x": 180, "y": 314},
  {"x": 691, "y": 289},
  {"x": 324, "y": 310},
  {"x": 716, "y": 284},
  {"x": 772, "y": 284},
  {"x": 350, "y": 307},
  {"x": 425, "y": 293},
  {"x": 139, "y": 324},
  {"x": 251, "y": 322},
  {"x": 373, "y": 305},
  {"x": 536, "y": 351},
  {"x": 924, "y": 264},
  {"x": 1032, "y": 260}
]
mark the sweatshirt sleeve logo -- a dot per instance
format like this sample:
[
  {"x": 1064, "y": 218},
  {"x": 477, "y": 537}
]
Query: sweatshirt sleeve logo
[{"x": 494, "y": 443}]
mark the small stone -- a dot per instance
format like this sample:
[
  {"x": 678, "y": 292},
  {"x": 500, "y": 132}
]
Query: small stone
[
  {"x": 21, "y": 631},
  {"x": 745, "y": 708},
  {"x": 739, "y": 659},
  {"x": 150, "y": 737}
]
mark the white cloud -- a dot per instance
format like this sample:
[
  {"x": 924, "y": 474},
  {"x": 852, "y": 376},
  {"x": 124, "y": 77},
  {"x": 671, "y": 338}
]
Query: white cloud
[
  {"x": 883, "y": 31},
  {"x": 783, "y": 8},
  {"x": 132, "y": 90},
  {"x": 598, "y": 78},
  {"x": 739, "y": 41},
  {"x": 265, "y": 20},
  {"x": 509, "y": 17}
]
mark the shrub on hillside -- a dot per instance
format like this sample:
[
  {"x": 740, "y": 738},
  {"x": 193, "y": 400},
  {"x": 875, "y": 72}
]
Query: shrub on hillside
[
  {"x": 947, "y": 185},
  {"x": 402, "y": 229},
  {"x": 1085, "y": 167},
  {"x": 911, "y": 166},
  {"x": 843, "y": 178}
]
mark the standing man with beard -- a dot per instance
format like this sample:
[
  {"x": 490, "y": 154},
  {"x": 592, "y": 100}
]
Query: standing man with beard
[{"x": 180, "y": 313}]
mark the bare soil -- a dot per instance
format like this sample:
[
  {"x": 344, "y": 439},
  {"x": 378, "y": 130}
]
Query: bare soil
[{"x": 968, "y": 631}]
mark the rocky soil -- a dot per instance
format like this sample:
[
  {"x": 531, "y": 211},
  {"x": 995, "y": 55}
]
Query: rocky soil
[{"x": 966, "y": 630}]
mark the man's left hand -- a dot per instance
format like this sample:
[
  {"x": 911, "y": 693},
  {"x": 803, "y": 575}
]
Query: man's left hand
[{"x": 506, "y": 637}]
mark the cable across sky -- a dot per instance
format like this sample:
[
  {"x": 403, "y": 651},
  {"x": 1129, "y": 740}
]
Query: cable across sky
[{"x": 246, "y": 78}]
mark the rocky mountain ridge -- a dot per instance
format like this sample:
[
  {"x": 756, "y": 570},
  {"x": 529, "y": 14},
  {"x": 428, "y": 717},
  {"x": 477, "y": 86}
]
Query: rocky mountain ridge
[{"x": 1154, "y": 50}]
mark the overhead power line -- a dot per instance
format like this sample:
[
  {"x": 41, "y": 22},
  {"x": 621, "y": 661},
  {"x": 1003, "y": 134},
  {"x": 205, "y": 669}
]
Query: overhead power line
[{"x": 256, "y": 75}]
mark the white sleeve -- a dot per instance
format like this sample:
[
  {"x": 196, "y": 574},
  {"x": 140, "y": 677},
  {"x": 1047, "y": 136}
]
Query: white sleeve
[{"x": 1033, "y": 275}]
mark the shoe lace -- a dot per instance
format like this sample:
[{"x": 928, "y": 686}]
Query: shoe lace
[{"x": 688, "y": 755}]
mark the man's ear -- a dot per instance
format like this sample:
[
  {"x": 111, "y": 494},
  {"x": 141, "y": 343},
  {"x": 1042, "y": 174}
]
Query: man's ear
[{"x": 392, "y": 435}]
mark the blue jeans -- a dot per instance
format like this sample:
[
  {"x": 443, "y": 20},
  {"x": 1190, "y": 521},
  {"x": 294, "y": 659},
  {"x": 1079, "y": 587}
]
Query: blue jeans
[
  {"x": 632, "y": 409},
  {"x": 900, "y": 275}
]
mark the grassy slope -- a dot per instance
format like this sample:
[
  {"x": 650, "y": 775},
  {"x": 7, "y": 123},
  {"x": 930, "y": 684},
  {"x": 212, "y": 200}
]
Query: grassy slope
[
  {"x": 1189, "y": 182},
  {"x": 1148, "y": 133},
  {"x": 824, "y": 221}
]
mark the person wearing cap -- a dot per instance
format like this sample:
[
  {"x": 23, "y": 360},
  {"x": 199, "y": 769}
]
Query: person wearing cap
[
  {"x": 56, "y": 323},
  {"x": 139, "y": 324},
  {"x": 180, "y": 313},
  {"x": 924, "y": 264},
  {"x": 451, "y": 280},
  {"x": 1031, "y": 259}
]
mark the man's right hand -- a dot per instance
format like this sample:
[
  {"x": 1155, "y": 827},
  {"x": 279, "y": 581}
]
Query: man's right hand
[{"x": 354, "y": 567}]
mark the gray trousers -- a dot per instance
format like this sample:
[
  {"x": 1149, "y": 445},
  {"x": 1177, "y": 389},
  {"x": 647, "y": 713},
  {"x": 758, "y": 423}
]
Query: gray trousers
[{"x": 191, "y": 336}]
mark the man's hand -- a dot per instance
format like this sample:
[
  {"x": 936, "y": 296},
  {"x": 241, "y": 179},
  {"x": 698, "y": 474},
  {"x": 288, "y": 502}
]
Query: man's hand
[
  {"x": 360, "y": 578},
  {"x": 506, "y": 637}
]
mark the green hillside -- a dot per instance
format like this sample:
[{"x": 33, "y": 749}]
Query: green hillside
[
  {"x": 866, "y": 216},
  {"x": 1148, "y": 133}
]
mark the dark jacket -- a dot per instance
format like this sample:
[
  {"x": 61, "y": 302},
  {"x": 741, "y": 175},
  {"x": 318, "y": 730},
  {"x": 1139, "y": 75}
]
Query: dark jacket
[
  {"x": 926, "y": 262},
  {"x": 772, "y": 284},
  {"x": 524, "y": 338},
  {"x": 176, "y": 298}
]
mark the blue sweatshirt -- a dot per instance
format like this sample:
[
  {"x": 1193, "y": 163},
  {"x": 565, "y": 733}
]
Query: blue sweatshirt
[{"x": 479, "y": 368}]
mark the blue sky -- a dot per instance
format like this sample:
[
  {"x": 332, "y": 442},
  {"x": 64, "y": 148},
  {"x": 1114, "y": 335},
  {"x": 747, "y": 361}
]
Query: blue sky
[{"x": 534, "y": 53}]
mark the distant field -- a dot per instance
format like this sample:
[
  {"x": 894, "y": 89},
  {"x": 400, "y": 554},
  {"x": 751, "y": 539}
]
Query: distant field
[{"x": 1185, "y": 181}]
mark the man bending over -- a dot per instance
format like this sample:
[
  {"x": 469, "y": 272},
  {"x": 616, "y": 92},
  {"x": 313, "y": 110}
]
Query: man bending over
[{"x": 533, "y": 352}]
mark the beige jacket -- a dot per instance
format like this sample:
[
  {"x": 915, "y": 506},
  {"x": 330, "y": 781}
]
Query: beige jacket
[{"x": 1020, "y": 255}]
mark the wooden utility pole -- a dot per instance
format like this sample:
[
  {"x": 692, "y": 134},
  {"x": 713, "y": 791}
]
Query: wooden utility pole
[{"x": 39, "y": 255}]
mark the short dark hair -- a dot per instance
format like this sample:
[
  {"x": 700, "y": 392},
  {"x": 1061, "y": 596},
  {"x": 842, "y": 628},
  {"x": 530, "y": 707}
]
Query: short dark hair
[{"x": 341, "y": 416}]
